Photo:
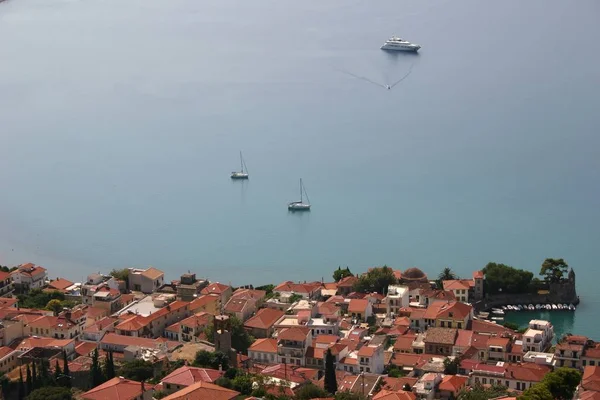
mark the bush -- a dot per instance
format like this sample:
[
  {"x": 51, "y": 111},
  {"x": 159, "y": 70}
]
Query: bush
[
  {"x": 51, "y": 393},
  {"x": 137, "y": 370}
]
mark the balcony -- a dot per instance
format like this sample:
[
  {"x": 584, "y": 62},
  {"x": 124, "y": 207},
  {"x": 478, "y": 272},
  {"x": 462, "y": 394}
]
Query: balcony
[
  {"x": 284, "y": 352},
  {"x": 291, "y": 345}
]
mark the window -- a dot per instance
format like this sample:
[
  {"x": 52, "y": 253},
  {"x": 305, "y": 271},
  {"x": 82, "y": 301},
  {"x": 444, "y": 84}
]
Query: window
[
  {"x": 368, "y": 369},
  {"x": 592, "y": 363},
  {"x": 459, "y": 325},
  {"x": 484, "y": 380},
  {"x": 442, "y": 324}
]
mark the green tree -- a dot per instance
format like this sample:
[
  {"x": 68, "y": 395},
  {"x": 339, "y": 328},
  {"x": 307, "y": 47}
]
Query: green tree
[
  {"x": 240, "y": 339},
  {"x": 562, "y": 383},
  {"x": 268, "y": 289},
  {"x": 29, "y": 381},
  {"x": 347, "y": 395},
  {"x": 310, "y": 391},
  {"x": 242, "y": 383},
  {"x": 51, "y": 393},
  {"x": 122, "y": 274},
  {"x": 137, "y": 370},
  {"x": 57, "y": 372},
  {"x": 34, "y": 376},
  {"x": 500, "y": 278},
  {"x": 553, "y": 269},
  {"x": 36, "y": 298},
  {"x": 447, "y": 275},
  {"x": 96, "y": 376},
  {"x": 330, "y": 381},
  {"x": 510, "y": 325},
  {"x": 375, "y": 280},
  {"x": 340, "y": 273},
  {"x": 478, "y": 392},
  {"x": 159, "y": 394},
  {"x": 537, "y": 392},
  {"x": 224, "y": 382},
  {"x": 451, "y": 366},
  {"x": 55, "y": 306},
  {"x": 294, "y": 298},
  {"x": 109, "y": 366},
  {"x": 21, "y": 391},
  {"x": 66, "y": 378}
]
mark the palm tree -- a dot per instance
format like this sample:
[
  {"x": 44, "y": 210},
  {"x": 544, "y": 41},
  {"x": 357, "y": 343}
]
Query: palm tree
[{"x": 446, "y": 275}]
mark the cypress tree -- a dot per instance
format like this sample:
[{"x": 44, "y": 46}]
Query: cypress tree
[
  {"x": 44, "y": 377},
  {"x": 330, "y": 383},
  {"x": 21, "y": 385},
  {"x": 66, "y": 372},
  {"x": 96, "y": 370},
  {"x": 34, "y": 377},
  {"x": 28, "y": 381},
  {"x": 109, "y": 366},
  {"x": 57, "y": 373}
]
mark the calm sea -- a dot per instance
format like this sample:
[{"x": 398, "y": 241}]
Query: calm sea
[{"x": 120, "y": 121}]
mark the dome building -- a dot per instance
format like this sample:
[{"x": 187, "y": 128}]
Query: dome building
[{"x": 414, "y": 275}]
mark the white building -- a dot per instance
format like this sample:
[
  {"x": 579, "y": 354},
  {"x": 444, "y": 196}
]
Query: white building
[
  {"x": 371, "y": 359},
  {"x": 538, "y": 336},
  {"x": 29, "y": 276},
  {"x": 397, "y": 297}
]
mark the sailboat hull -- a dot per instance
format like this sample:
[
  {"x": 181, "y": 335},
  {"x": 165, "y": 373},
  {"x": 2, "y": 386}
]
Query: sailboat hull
[
  {"x": 298, "y": 207},
  {"x": 239, "y": 175}
]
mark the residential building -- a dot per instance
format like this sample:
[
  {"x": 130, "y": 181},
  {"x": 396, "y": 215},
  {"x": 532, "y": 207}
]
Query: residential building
[
  {"x": 60, "y": 327},
  {"x": 68, "y": 345},
  {"x": 190, "y": 329},
  {"x": 60, "y": 285},
  {"x": 397, "y": 297},
  {"x": 262, "y": 324},
  {"x": 292, "y": 344},
  {"x": 589, "y": 389},
  {"x": 371, "y": 359},
  {"x": 363, "y": 385},
  {"x": 425, "y": 387},
  {"x": 440, "y": 340},
  {"x": 460, "y": 288},
  {"x": 308, "y": 291},
  {"x": 345, "y": 286},
  {"x": 107, "y": 298},
  {"x": 569, "y": 353},
  {"x": 514, "y": 376},
  {"x": 187, "y": 376},
  {"x": 263, "y": 351},
  {"x": 189, "y": 287},
  {"x": 6, "y": 284},
  {"x": 498, "y": 348},
  {"x": 29, "y": 276},
  {"x": 361, "y": 309},
  {"x": 478, "y": 278},
  {"x": 8, "y": 359},
  {"x": 100, "y": 328},
  {"x": 145, "y": 280},
  {"x": 317, "y": 326},
  {"x": 451, "y": 386},
  {"x": 11, "y": 327},
  {"x": 394, "y": 395},
  {"x": 121, "y": 389},
  {"x": 241, "y": 308},
  {"x": 452, "y": 314},
  {"x": 224, "y": 292},
  {"x": 154, "y": 324},
  {"x": 591, "y": 355},
  {"x": 538, "y": 336},
  {"x": 207, "y": 303},
  {"x": 201, "y": 391},
  {"x": 539, "y": 358},
  {"x": 97, "y": 282},
  {"x": 118, "y": 343}
]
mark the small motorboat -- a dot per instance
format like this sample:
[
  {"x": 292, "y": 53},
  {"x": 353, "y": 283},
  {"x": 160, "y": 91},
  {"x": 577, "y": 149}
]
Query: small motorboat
[
  {"x": 565, "y": 307},
  {"x": 559, "y": 306},
  {"x": 537, "y": 306},
  {"x": 497, "y": 319},
  {"x": 548, "y": 307},
  {"x": 554, "y": 307},
  {"x": 504, "y": 308},
  {"x": 531, "y": 307},
  {"x": 497, "y": 311}
]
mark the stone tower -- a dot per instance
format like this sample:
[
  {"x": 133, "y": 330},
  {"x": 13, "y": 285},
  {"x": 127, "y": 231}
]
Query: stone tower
[
  {"x": 222, "y": 325},
  {"x": 478, "y": 288}
]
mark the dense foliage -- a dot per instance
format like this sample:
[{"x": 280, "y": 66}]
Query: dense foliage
[
  {"x": 330, "y": 381},
  {"x": 553, "y": 269},
  {"x": 51, "y": 393},
  {"x": 375, "y": 280},
  {"x": 137, "y": 370},
  {"x": 478, "y": 392},
  {"x": 294, "y": 298},
  {"x": 447, "y": 275},
  {"x": 240, "y": 339},
  {"x": 6, "y": 269},
  {"x": 121, "y": 274},
  {"x": 559, "y": 385},
  {"x": 214, "y": 360},
  {"x": 500, "y": 278},
  {"x": 38, "y": 299},
  {"x": 340, "y": 273},
  {"x": 451, "y": 366},
  {"x": 310, "y": 391}
]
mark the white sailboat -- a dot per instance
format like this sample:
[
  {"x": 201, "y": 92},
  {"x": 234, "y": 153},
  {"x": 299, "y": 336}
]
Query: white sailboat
[
  {"x": 300, "y": 205},
  {"x": 243, "y": 173}
]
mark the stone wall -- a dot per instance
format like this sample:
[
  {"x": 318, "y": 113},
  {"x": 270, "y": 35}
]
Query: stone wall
[{"x": 563, "y": 293}]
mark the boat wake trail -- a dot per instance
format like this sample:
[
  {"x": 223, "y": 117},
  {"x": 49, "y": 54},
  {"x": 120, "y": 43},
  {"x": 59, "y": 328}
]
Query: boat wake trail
[{"x": 364, "y": 78}]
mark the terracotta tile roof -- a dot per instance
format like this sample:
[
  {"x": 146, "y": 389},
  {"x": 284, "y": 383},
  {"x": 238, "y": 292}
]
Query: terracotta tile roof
[
  {"x": 31, "y": 342},
  {"x": 478, "y": 275},
  {"x": 578, "y": 339},
  {"x": 235, "y": 305},
  {"x": 345, "y": 384},
  {"x": 352, "y": 344},
  {"x": 253, "y": 294},
  {"x": 456, "y": 284},
  {"x": 463, "y": 338},
  {"x": 197, "y": 320},
  {"x": 584, "y": 395},
  {"x": 593, "y": 352},
  {"x": 440, "y": 335},
  {"x": 94, "y": 312},
  {"x": 265, "y": 318},
  {"x": 117, "y": 389},
  {"x": 203, "y": 301},
  {"x": 203, "y": 390},
  {"x": 295, "y": 334},
  {"x": 315, "y": 352},
  {"x": 85, "y": 348},
  {"x": 529, "y": 372},
  {"x": 4, "y": 275},
  {"x": 498, "y": 342},
  {"x": 348, "y": 361},
  {"x": 327, "y": 309},
  {"x": 591, "y": 378},
  {"x": 152, "y": 273},
  {"x": 51, "y": 322},
  {"x": 406, "y": 359},
  {"x": 479, "y": 341},
  {"x": 569, "y": 346},
  {"x": 326, "y": 339},
  {"x": 305, "y": 288},
  {"x": 358, "y": 305},
  {"x": 368, "y": 351},
  {"x": 291, "y": 373},
  {"x": 101, "y": 324},
  {"x": 4, "y": 351},
  {"x": 122, "y": 340},
  {"x": 264, "y": 345},
  {"x": 330, "y": 285},
  {"x": 395, "y": 384},
  {"x": 397, "y": 395},
  {"x": 348, "y": 281},
  {"x": 335, "y": 299},
  {"x": 404, "y": 343},
  {"x": 60, "y": 284},
  {"x": 8, "y": 302},
  {"x": 134, "y": 323},
  {"x": 187, "y": 376},
  {"x": 457, "y": 309},
  {"x": 29, "y": 269},
  {"x": 453, "y": 383},
  {"x": 481, "y": 326},
  {"x": 215, "y": 288},
  {"x": 417, "y": 313}
]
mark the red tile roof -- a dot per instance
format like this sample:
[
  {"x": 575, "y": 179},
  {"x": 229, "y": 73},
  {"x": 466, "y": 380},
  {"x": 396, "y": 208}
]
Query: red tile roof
[
  {"x": 326, "y": 339},
  {"x": 265, "y": 318},
  {"x": 395, "y": 384},
  {"x": 187, "y": 376},
  {"x": 453, "y": 383},
  {"x": 591, "y": 378},
  {"x": 202, "y": 391},
  {"x": 478, "y": 275},
  {"x": 358, "y": 305},
  {"x": 264, "y": 345},
  {"x": 116, "y": 389},
  {"x": 294, "y": 334},
  {"x": 397, "y": 395},
  {"x": 304, "y": 288},
  {"x": 348, "y": 281},
  {"x": 456, "y": 284},
  {"x": 52, "y": 322},
  {"x": 235, "y": 305},
  {"x": 152, "y": 273},
  {"x": 215, "y": 288},
  {"x": 122, "y": 340},
  {"x": 404, "y": 343},
  {"x": 85, "y": 348},
  {"x": 60, "y": 284},
  {"x": 4, "y": 351},
  {"x": 367, "y": 351},
  {"x": 197, "y": 320},
  {"x": 463, "y": 338}
]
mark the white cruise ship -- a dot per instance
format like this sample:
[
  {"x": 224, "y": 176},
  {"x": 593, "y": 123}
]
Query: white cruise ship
[{"x": 398, "y": 44}]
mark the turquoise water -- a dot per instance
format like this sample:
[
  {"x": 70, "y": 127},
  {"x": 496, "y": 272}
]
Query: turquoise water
[
  {"x": 563, "y": 321},
  {"x": 120, "y": 122}
]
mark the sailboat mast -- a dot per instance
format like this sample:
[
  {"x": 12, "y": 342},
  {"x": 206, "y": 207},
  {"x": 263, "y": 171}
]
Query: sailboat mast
[
  {"x": 300, "y": 190},
  {"x": 241, "y": 161}
]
